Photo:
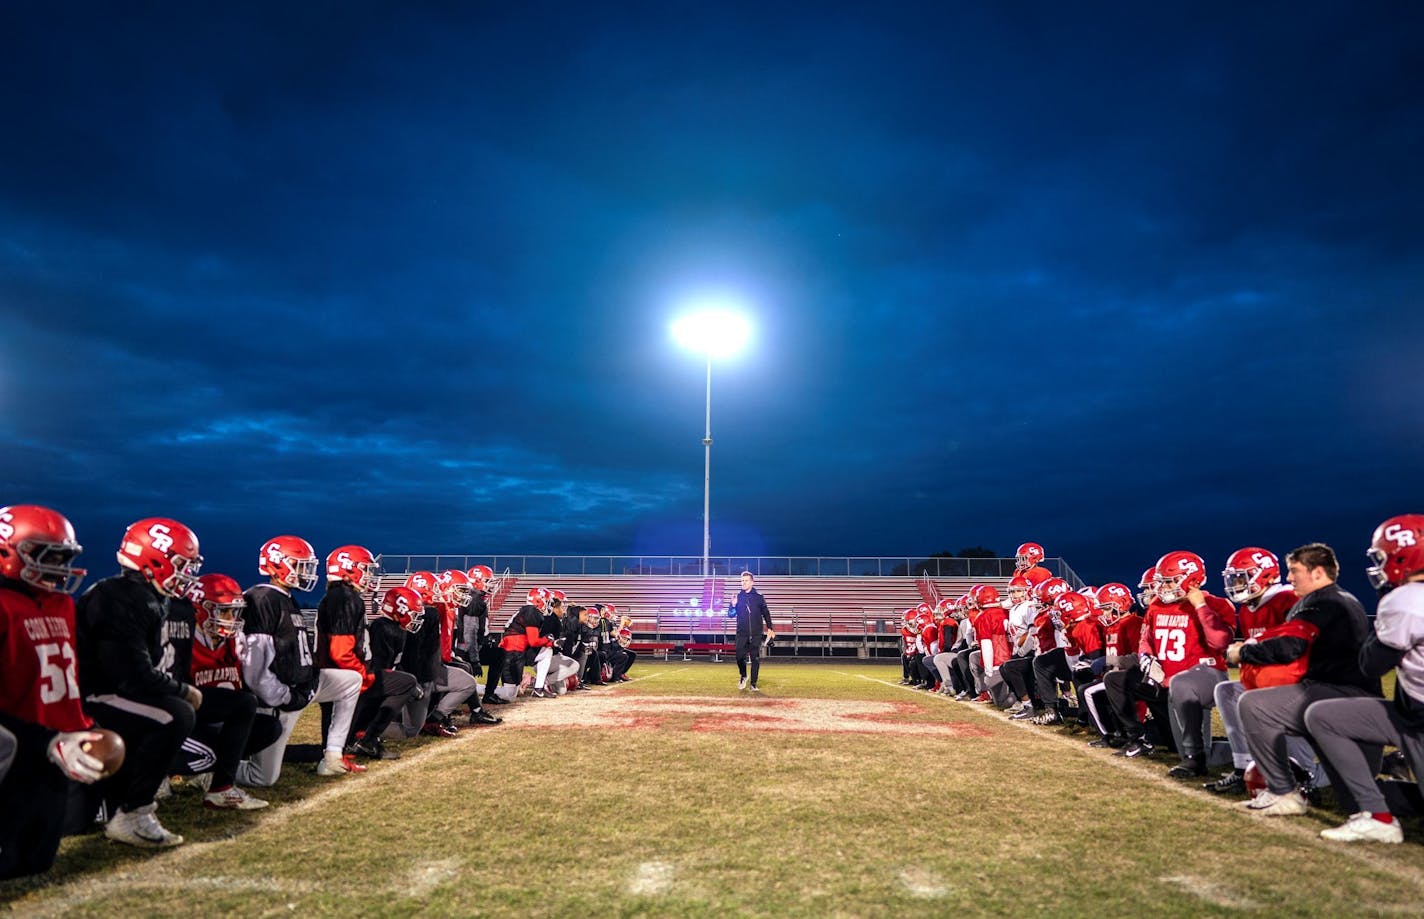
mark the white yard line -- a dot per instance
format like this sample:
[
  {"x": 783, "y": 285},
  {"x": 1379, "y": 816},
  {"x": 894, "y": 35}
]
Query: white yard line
[
  {"x": 163, "y": 868},
  {"x": 1281, "y": 825},
  {"x": 651, "y": 879}
]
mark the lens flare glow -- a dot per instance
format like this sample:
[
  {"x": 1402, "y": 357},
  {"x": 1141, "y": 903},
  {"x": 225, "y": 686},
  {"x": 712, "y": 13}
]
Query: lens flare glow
[{"x": 717, "y": 332}]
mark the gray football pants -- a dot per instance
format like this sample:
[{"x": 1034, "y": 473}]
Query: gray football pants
[
  {"x": 1228, "y": 697},
  {"x": 1272, "y": 716},
  {"x": 1351, "y": 735}
]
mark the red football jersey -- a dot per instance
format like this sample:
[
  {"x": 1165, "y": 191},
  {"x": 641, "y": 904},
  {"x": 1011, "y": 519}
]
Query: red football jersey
[
  {"x": 39, "y": 682},
  {"x": 448, "y": 611},
  {"x": 929, "y": 634},
  {"x": 1271, "y": 612},
  {"x": 1173, "y": 635},
  {"x": 991, "y": 628},
  {"x": 1045, "y": 633},
  {"x": 1087, "y": 634},
  {"x": 219, "y": 667},
  {"x": 1122, "y": 636}
]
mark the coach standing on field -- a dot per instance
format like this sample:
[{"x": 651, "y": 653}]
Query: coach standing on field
[{"x": 750, "y": 612}]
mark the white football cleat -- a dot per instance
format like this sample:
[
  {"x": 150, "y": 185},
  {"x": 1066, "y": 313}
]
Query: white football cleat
[
  {"x": 1363, "y": 827},
  {"x": 141, "y": 828},
  {"x": 233, "y": 799}
]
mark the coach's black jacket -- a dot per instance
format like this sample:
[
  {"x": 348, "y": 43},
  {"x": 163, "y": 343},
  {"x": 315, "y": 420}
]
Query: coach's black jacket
[
  {"x": 120, "y": 640},
  {"x": 750, "y": 612},
  {"x": 1335, "y": 653}
]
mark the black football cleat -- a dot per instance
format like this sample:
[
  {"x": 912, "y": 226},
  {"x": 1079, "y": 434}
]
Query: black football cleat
[
  {"x": 1232, "y": 783},
  {"x": 1189, "y": 768}
]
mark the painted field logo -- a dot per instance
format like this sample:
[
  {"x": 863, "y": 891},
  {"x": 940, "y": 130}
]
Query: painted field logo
[{"x": 820, "y": 716}]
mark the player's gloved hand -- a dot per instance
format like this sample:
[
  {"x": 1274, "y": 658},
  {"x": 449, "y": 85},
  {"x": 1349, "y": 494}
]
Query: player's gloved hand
[
  {"x": 419, "y": 693},
  {"x": 300, "y": 699},
  {"x": 66, "y": 750}
]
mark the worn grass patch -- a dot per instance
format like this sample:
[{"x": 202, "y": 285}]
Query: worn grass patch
[{"x": 833, "y": 793}]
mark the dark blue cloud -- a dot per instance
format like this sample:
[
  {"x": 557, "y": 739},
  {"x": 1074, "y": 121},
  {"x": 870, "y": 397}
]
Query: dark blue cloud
[{"x": 1119, "y": 282}]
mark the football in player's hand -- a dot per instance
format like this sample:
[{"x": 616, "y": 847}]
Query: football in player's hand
[{"x": 108, "y": 749}]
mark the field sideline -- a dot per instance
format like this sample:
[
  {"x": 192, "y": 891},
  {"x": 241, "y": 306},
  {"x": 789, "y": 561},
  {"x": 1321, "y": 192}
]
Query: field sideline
[{"x": 834, "y": 793}]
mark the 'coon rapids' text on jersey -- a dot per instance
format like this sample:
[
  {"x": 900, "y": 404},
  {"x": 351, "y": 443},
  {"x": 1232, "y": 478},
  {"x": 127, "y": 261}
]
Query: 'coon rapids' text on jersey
[
  {"x": 216, "y": 665},
  {"x": 38, "y": 683}
]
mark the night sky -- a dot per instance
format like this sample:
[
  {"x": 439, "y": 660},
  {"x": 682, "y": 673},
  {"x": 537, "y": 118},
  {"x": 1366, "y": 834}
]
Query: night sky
[{"x": 1118, "y": 279}]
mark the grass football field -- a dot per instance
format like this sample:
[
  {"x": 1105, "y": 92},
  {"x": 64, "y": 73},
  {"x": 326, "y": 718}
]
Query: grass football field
[{"x": 832, "y": 793}]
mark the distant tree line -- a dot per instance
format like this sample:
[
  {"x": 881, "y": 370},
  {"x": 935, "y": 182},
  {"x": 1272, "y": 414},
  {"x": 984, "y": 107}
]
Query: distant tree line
[{"x": 971, "y": 552}]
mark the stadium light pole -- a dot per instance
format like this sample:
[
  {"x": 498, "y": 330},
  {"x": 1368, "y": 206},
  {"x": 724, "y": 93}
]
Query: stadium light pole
[{"x": 711, "y": 332}]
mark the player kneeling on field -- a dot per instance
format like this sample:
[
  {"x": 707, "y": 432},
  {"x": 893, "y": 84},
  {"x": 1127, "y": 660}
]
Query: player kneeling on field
[
  {"x": 121, "y": 622},
  {"x": 1350, "y": 732},
  {"x": 43, "y": 727}
]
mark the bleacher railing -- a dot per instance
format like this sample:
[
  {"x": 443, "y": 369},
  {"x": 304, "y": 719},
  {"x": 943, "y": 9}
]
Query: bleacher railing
[
  {"x": 868, "y": 634},
  {"x": 727, "y": 566}
]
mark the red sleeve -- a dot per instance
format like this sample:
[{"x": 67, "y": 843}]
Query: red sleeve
[
  {"x": 342, "y": 649},
  {"x": 1144, "y": 640},
  {"x": 1218, "y": 622},
  {"x": 531, "y": 634}
]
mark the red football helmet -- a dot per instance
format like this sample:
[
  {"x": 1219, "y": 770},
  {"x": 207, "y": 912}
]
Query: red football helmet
[
  {"x": 910, "y": 622},
  {"x": 1028, "y": 555},
  {"x": 558, "y": 595},
  {"x": 988, "y": 596},
  {"x": 1035, "y": 576},
  {"x": 1147, "y": 587},
  {"x": 1396, "y": 551},
  {"x": 924, "y": 618},
  {"x": 1249, "y": 573},
  {"x": 355, "y": 565},
  {"x": 427, "y": 585},
  {"x": 37, "y": 546},
  {"x": 480, "y": 576},
  {"x": 1072, "y": 606},
  {"x": 944, "y": 607},
  {"x": 404, "y": 606},
  {"x": 217, "y": 606},
  {"x": 1116, "y": 597},
  {"x": 539, "y": 597},
  {"x": 1177, "y": 574},
  {"x": 1019, "y": 588},
  {"x": 289, "y": 559},
  {"x": 455, "y": 585},
  {"x": 165, "y": 551},
  {"x": 1045, "y": 593},
  {"x": 1255, "y": 782}
]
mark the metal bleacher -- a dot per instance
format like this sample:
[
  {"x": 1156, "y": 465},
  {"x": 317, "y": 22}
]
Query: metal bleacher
[{"x": 677, "y": 614}]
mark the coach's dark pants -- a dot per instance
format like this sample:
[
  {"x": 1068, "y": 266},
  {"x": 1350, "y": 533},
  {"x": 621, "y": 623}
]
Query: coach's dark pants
[{"x": 749, "y": 648}]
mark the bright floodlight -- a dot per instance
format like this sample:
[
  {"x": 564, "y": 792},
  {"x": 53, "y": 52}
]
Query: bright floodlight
[{"x": 716, "y": 333}]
